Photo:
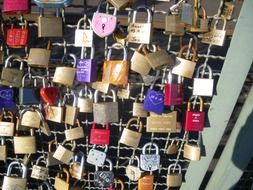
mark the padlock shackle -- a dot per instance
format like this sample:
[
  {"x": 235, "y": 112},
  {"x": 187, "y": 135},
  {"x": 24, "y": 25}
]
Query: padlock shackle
[
  {"x": 14, "y": 57},
  {"x": 201, "y": 102},
  {"x": 107, "y": 125},
  {"x": 176, "y": 165},
  {"x": 106, "y": 147},
  {"x": 50, "y": 145},
  {"x": 194, "y": 57},
  {"x": 150, "y": 144},
  {"x": 24, "y": 168},
  {"x": 137, "y": 97},
  {"x": 67, "y": 174},
  {"x": 224, "y": 23},
  {"x": 71, "y": 55},
  {"x": 117, "y": 46},
  {"x": 84, "y": 19},
  {"x": 66, "y": 96},
  {"x": 146, "y": 49},
  {"x": 23, "y": 79},
  {"x": 149, "y": 13},
  {"x": 86, "y": 92},
  {"x": 113, "y": 95},
  {"x": 135, "y": 158},
  {"x": 134, "y": 119},
  {"x": 45, "y": 184},
  {"x": 121, "y": 184},
  {"x": 73, "y": 144},
  {"x": 110, "y": 164},
  {"x": 39, "y": 160},
  {"x": 204, "y": 67}
]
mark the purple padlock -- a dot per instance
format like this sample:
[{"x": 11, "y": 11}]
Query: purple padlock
[
  {"x": 86, "y": 69},
  {"x": 7, "y": 98}
]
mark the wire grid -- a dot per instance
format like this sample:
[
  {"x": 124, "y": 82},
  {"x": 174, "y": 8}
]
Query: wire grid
[{"x": 118, "y": 153}]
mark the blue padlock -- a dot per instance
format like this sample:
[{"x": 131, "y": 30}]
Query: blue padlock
[
  {"x": 53, "y": 3},
  {"x": 7, "y": 98}
]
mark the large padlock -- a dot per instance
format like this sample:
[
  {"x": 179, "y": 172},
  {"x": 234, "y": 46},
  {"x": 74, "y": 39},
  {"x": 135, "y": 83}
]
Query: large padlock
[
  {"x": 100, "y": 136},
  {"x": 86, "y": 68},
  {"x": 173, "y": 147},
  {"x": 104, "y": 178},
  {"x": 116, "y": 71},
  {"x": 51, "y": 161},
  {"x": 6, "y": 124},
  {"x": 140, "y": 33},
  {"x": 192, "y": 151},
  {"x": 60, "y": 183},
  {"x": 195, "y": 119},
  {"x": 76, "y": 167},
  {"x": 53, "y": 3},
  {"x": 71, "y": 111},
  {"x": 12, "y": 76},
  {"x": 100, "y": 109},
  {"x": 49, "y": 93},
  {"x": 74, "y": 133},
  {"x": 54, "y": 23},
  {"x": 164, "y": 123},
  {"x": 119, "y": 4},
  {"x": 64, "y": 154},
  {"x": 138, "y": 108},
  {"x": 130, "y": 137},
  {"x": 39, "y": 57},
  {"x": 215, "y": 36},
  {"x": 97, "y": 157},
  {"x": 174, "y": 179},
  {"x": 65, "y": 75},
  {"x": 174, "y": 25},
  {"x": 3, "y": 149},
  {"x": 31, "y": 117},
  {"x": 16, "y": 6},
  {"x": 150, "y": 162},
  {"x": 7, "y": 97},
  {"x": 133, "y": 172},
  {"x": 146, "y": 182},
  {"x": 85, "y": 100},
  {"x": 55, "y": 113},
  {"x": 84, "y": 37},
  {"x": 38, "y": 171},
  {"x": 11, "y": 182},
  {"x": 103, "y": 24},
  {"x": 203, "y": 86},
  {"x": 25, "y": 144},
  {"x": 184, "y": 67}
]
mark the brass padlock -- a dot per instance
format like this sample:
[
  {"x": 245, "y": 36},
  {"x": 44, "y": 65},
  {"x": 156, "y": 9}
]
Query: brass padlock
[
  {"x": 71, "y": 111},
  {"x": 51, "y": 161},
  {"x": 173, "y": 25},
  {"x": 129, "y": 137},
  {"x": 101, "y": 86},
  {"x": 133, "y": 172},
  {"x": 138, "y": 108},
  {"x": 173, "y": 146},
  {"x": 60, "y": 183},
  {"x": 38, "y": 171},
  {"x": 174, "y": 179},
  {"x": 119, "y": 4},
  {"x": 74, "y": 133},
  {"x": 3, "y": 149},
  {"x": 124, "y": 91},
  {"x": 146, "y": 182},
  {"x": 192, "y": 151},
  {"x": 63, "y": 154},
  {"x": 31, "y": 117},
  {"x": 85, "y": 100},
  {"x": 25, "y": 144},
  {"x": 55, "y": 113},
  {"x": 76, "y": 167},
  {"x": 6, "y": 127},
  {"x": 228, "y": 10}
]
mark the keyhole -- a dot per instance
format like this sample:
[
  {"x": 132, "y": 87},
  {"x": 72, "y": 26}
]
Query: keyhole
[{"x": 103, "y": 27}]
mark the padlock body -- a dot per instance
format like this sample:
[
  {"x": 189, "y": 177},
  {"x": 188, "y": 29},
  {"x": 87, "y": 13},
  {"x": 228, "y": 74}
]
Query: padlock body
[
  {"x": 172, "y": 149},
  {"x": 76, "y": 171},
  {"x": 14, "y": 183},
  {"x": 25, "y": 145},
  {"x": 60, "y": 184},
  {"x": 100, "y": 136},
  {"x": 3, "y": 152},
  {"x": 214, "y": 37},
  {"x": 184, "y": 67},
  {"x": 149, "y": 162},
  {"x": 39, "y": 57},
  {"x": 31, "y": 119},
  {"x": 103, "y": 178},
  {"x": 63, "y": 154},
  {"x": 71, "y": 113},
  {"x": 138, "y": 110},
  {"x": 192, "y": 152},
  {"x": 85, "y": 105},
  {"x": 203, "y": 87},
  {"x": 17, "y": 37},
  {"x": 194, "y": 121},
  {"x": 86, "y": 70},
  {"x": 15, "y": 6},
  {"x": 174, "y": 180},
  {"x": 139, "y": 63},
  {"x": 146, "y": 182},
  {"x": 96, "y": 157},
  {"x": 11, "y": 77},
  {"x": 133, "y": 172},
  {"x": 173, "y": 25},
  {"x": 153, "y": 101},
  {"x": 51, "y": 161},
  {"x": 186, "y": 13},
  {"x": 74, "y": 133},
  {"x": 6, "y": 129},
  {"x": 140, "y": 33},
  {"x": 55, "y": 113},
  {"x": 55, "y": 25},
  {"x": 102, "y": 115},
  {"x": 83, "y": 38},
  {"x": 28, "y": 96},
  {"x": 39, "y": 172},
  {"x": 130, "y": 138},
  {"x": 159, "y": 59},
  {"x": 173, "y": 94}
]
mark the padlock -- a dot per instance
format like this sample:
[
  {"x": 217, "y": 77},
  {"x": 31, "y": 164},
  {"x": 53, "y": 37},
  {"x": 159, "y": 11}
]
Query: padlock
[
  {"x": 139, "y": 63},
  {"x": 150, "y": 162},
  {"x": 1, "y": 54},
  {"x": 203, "y": 86},
  {"x": 16, "y": 6},
  {"x": 124, "y": 91},
  {"x": 76, "y": 167},
  {"x": 164, "y": 123},
  {"x": 12, "y": 76},
  {"x": 173, "y": 147},
  {"x": 119, "y": 4},
  {"x": 54, "y": 23},
  {"x": 31, "y": 117},
  {"x": 51, "y": 161},
  {"x": 74, "y": 133},
  {"x": 44, "y": 184},
  {"x": 192, "y": 151},
  {"x": 28, "y": 95},
  {"x": 186, "y": 13},
  {"x": 133, "y": 172},
  {"x": 86, "y": 68},
  {"x": 130, "y": 137},
  {"x": 49, "y": 93},
  {"x": 39, "y": 57},
  {"x": 84, "y": 37},
  {"x": 100, "y": 136},
  {"x": 153, "y": 101},
  {"x": 228, "y": 9},
  {"x": 195, "y": 119},
  {"x": 71, "y": 111},
  {"x": 173, "y": 25},
  {"x": 55, "y": 113},
  {"x": 100, "y": 109},
  {"x": 104, "y": 178},
  {"x": 146, "y": 182},
  {"x": 65, "y": 75},
  {"x": 63, "y": 154},
  {"x": 115, "y": 71},
  {"x": 38, "y": 171},
  {"x": 7, "y": 98},
  {"x": 103, "y": 24},
  {"x": 17, "y": 37},
  {"x": 173, "y": 91},
  {"x": 118, "y": 181},
  {"x": 97, "y": 157},
  {"x": 11, "y": 182},
  {"x": 101, "y": 86},
  {"x": 215, "y": 36},
  {"x": 138, "y": 108},
  {"x": 53, "y": 3},
  {"x": 174, "y": 179},
  {"x": 6, "y": 127},
  {"x": 25, "y": 144},
  {"x": 60, "y": 183},
  {"x": 140, "y": 33},
  {"x": 184, "y": 67},
  {"x": 3, "y": 149},
  {"x": 85, "y": 100}
]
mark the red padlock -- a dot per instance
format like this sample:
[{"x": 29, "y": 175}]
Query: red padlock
[
  {"x": 194, "y": 120},
  {"x": 49, "y": 93},
  {"x": 173, "y": 92},
  {"x": 100, "y": 136}
]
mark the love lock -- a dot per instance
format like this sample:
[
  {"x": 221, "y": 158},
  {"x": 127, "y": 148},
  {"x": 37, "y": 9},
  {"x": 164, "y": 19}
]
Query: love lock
[
  {"x": 174, "y": 179},
  {"x": 76, "y": 167},
  {"x": 133, "y": 172},
  {"x": 104, "y": 178},
  {"x": 97, "y": 157}
]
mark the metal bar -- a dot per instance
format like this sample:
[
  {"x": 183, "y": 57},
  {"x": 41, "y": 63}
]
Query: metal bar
[{"x": 236, "y": 67}]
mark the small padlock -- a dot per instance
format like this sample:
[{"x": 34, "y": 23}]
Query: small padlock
[
  {"x": 11, "y": 182},
  {"x": 228, "y": 9},
  {"x": 119, "y": 4},
  {"x": 51, "y": 161},
  {"x": 25, "y": 144},
  {"x": 38, "y": 171},
  {"x": 16, "y": 6},
  {"x": 49, "y": 93},
  {"x": 100, "y": 109},
  {"x": 140, "y": 33},
  {"x": 60, "y": 183},
  {"x": 192, "y": 151},
  {"x": 55, "y": 113},
  {"x": 6, "y": 127},
  {"x": 130, "y": 137},
  {"x": 71, "y": 111},
  {"x": 133, "y": 172},
  {"x": 76, "y": 167},
  {"x": 138, "y": 108},
  {"x": 104, "y": 178},
  {"x": 31, "y": 117},
  {"x": 53, "y": 3},
  {"x": 203, "y": 86},
  {"x": 85, "y": 100},
  {"x": 173, "y": 147},
  {"x": 146, "y": 182},
  {"x": 195, "y": 119},
  {"x": 174, "y": 179},
  {"x": 83, "y": 37},
  {"x": 186, "y": 13},
  {"x": 3, "y": 149},
  {"x": 150, "y": 162},
  {"x": 7, "y": 98},
  {"x": 173, "y": 25},
  {"x": 97, "y": 157},
  {"x": 100, "y": 136},
  {"x": 74, "y": 133},
  {"x": 65, "y": 75},
  {"x": 63, "y": 154}
]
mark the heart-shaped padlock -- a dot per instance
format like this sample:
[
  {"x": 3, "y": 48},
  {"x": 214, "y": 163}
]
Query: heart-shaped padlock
[{"x": 49, "y": 94}]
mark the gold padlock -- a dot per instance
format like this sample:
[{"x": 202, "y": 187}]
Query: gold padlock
[
  {"x": 3, "y": 149},
  {"x": 55, "y": 113},
  {"x": 76, "y": 167},
  {"x": 60, "y": 183},
  {"x": 6, "y": 127},
  {"x": 51, "y": 161},
  {"x": 124, "y": 91},
  {"x": 63, "y": 154},
  {"x": 85, "y": 100},
  {"x": 173, "y": 146},
  {"x": 174, "y": 179},
  {"x": 192, "y": 151},
  {"x": 71, "y": 111},
  {"x": 138, "y": 108},
  {"x": 25, "y": 144},
  {"x": 228, "y": 10},
  {"x": 31, "y": 118},
  {"x": 101, "y": 86},
  {"x": 74, "y": 133},
  {"x": 146, "y": 182},
  {"x": 173, "y": 25},
  {"x": 38, "y": 171}
]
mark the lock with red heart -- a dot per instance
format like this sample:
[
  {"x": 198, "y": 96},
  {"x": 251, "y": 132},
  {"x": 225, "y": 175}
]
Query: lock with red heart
[{"x": 49, "y": 93}]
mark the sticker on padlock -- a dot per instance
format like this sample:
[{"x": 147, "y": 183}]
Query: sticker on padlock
[
  {"x": 150, "y": 162},
  {"x": 104, "y": 178},
  {"x": 97, "y": 157},
  {"x": 38, "y": 171},
  {"x": 85, "y": 100},
  {"x": 100, "y": 136},
  {"x": 174, "y": 179},
  {"x": 76, "y": 167},
  {"x": 133, "y": 172}
]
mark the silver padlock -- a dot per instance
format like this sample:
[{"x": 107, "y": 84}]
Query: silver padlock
[
  {"x": 71, "y": 111},
  {"x": 97, "y": 157},
  {"x": 133, "y": 172},
  {"x": 85, "y": 100},
  {"x": 76, "y": 167},
  {"x": 38, "y": 171}
]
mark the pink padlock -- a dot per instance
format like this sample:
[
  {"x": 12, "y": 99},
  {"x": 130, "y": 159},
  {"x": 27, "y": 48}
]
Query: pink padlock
[
  {"x": 103, "y": 24},
  {"x": 16, "y": 6}
]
